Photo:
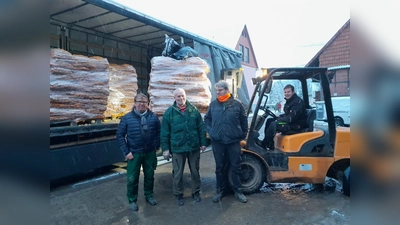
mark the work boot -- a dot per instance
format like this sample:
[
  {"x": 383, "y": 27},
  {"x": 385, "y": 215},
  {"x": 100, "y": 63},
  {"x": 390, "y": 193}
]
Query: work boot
[
  {"x": 240, "y": 196},
  {"x": 134, "y": 206},
  {"x": 196, "y": 196},
  {"x": 217, "y": 197},
  {"x": 271, "y": 146},
  {"x": 151, "y": 201},
  {"x": 179, "y": 200}
]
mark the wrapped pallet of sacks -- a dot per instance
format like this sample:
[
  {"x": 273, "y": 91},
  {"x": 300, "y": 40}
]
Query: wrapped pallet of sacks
[
  {"x": 78, "y": 86},
  {"x": 168, "y": 74},
  {"x": 123, "y": 89}
]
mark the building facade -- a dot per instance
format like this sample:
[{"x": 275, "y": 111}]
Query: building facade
[
  {"x": 335, "y": 55},
  {"x": 237, "y": 37},
  {"x": 249, "y": 61}
]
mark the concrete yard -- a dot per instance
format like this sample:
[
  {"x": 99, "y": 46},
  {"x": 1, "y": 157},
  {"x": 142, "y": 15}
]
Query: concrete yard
[{"x": 103, "y": 201}]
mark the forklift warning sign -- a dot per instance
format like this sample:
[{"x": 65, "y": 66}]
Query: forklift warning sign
[{"x": 305, "y": 167}]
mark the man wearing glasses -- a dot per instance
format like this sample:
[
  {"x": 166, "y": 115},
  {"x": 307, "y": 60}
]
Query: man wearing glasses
[
  {"x": 138, "y": 136},
  {"x": 226, "y": 124}
]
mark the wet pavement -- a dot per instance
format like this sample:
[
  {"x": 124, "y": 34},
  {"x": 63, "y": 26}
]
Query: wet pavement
[{"x": 103, "y": 201}]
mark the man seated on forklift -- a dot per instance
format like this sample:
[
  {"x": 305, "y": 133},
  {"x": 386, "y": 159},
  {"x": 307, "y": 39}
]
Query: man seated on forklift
[{"x": 293, "y": 120}]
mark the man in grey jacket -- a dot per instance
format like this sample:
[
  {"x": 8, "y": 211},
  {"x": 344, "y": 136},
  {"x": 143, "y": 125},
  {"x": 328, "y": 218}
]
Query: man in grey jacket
[{"x": 226, "y": 124}]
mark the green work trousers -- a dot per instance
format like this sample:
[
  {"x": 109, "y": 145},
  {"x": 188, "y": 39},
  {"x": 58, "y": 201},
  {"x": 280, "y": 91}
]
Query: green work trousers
[{"x": 148, "y": 161}]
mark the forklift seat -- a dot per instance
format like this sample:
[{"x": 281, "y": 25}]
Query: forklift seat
[
  {"x": 311, "y": 115},
  {"x": 292, "y": 143}
]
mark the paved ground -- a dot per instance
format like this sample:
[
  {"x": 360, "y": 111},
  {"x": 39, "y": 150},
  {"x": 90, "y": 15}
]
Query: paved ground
[{"x": 103, "y": 201}]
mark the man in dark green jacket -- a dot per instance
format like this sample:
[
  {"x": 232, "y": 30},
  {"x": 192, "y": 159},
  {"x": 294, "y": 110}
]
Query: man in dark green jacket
[{"x": 183, "y": 135}]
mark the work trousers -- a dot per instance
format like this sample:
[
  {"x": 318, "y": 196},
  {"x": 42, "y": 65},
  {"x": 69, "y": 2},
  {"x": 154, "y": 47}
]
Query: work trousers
[
  {"x": 227, "y": 163},
  {"x": 148, "y": 161},
  {"x": 273, "y": 127},
  {"x": 178, "y": 164},
  {"x": 270, "y": 131}
]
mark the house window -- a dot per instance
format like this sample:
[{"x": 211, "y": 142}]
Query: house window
[
  {"x": 244, "y": 34},
  {"x": 246, "y": 55},
  {"x": 241, "y": 50}
]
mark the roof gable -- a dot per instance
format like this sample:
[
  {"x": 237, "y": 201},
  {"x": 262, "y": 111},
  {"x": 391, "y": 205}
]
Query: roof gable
[
  {"x": 227, "y": 36},
  {"x": 251, "y": 49},
  {"x": 342, "y": 50}
]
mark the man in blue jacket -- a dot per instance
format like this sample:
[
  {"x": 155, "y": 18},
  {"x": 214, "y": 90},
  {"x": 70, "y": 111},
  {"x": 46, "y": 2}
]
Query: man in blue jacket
[
  {"x": 226, "y": 124},
  {"x": 138, "y": 136}
]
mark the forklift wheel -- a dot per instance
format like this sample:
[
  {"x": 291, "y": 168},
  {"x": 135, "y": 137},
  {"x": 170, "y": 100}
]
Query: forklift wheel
[{"x": 253, "y": 174}]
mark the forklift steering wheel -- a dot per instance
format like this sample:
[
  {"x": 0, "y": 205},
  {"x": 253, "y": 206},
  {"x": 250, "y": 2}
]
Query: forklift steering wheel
[{"x": 268, "y": 112}]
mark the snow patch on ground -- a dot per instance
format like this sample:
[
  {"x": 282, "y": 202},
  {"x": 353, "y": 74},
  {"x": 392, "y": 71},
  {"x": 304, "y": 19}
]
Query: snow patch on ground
[{"x": 330, "y": 185}]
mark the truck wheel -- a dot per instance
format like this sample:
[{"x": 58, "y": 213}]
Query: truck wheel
[
  {"x": 253, "y": 174},
  {"x": 346, "y": 182},
  {"x": 339, "y": 122}
]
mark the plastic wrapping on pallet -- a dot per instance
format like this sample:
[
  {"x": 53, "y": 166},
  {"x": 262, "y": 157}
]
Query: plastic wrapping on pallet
[
  {"x": 86, "y": 88},
  {"x": 168, "y": 74},
  {"x": 78, "y": 86},
  {"x": 123, "y": 89}
]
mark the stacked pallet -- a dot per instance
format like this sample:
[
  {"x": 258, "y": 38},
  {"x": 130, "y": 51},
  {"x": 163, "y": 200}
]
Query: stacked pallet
[
  {"x": 168, "y": 74},
  {"x": 88, "y": 88},
  {"x": 78, "y": 86},
  {"x": 123, "y": 89}
]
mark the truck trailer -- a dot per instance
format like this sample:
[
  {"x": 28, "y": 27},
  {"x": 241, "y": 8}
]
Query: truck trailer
[{"x": 122, "y": 36}]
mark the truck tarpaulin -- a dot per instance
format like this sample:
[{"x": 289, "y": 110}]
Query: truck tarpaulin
[{"x": 218, "y": 59}]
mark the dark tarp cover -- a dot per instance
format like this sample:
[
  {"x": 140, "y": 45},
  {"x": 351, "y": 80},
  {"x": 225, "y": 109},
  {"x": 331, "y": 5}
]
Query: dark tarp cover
[{"x": 218, "y": 59}]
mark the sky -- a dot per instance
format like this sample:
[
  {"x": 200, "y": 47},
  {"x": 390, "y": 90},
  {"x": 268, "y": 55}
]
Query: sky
[{"x": 283, "y": 33}]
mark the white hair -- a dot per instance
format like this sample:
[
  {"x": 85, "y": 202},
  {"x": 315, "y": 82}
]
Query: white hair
[
  {"x": 222, "y": 84},
  {"x": 179, "y": 90}
]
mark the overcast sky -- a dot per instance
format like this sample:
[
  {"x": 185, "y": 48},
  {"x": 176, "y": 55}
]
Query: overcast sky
[{"x": 283, "y": 32}]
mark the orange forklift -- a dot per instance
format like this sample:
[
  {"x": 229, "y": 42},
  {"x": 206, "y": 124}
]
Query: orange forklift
[{"x": 310, "y": 156}]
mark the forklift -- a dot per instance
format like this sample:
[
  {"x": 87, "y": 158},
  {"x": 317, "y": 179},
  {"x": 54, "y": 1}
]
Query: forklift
[{"x": 308, "y": 156}]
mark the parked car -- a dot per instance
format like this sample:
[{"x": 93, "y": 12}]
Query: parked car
[{"x": 341, "y": 110}]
